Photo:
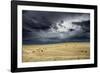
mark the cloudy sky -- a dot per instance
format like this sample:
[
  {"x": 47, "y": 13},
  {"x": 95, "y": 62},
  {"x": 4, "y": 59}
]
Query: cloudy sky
[{"x": 41, "y": 27}]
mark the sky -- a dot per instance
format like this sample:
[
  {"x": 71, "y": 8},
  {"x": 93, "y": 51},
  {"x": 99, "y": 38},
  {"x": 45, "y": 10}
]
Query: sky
[{"x": 46, "y": 27}]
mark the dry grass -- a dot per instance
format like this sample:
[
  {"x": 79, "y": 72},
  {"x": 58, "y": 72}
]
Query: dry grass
[{"x": 51, "y": 52}]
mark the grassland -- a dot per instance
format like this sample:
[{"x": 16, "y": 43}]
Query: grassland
[{"x": 52, "y": 52}]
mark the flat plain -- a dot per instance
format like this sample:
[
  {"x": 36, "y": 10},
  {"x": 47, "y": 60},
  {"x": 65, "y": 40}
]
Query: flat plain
[{"x": 56, "y": 52}]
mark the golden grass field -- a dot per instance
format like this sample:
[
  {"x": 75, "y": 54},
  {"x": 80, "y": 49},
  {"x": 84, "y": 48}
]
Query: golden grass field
[{"x": 52, "y": 52}]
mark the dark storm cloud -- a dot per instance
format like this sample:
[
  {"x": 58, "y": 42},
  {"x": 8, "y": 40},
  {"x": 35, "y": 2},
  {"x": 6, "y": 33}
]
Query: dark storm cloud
[
  {"x": 35, "y": 20},
  {"x": 85, "y": 25},
  {"x": 43, "y": 20},
  {"x": 37, "y": 27}
]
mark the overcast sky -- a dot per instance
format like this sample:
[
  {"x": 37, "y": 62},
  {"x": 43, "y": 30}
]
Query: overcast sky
[{"x": 52, "y": 27}]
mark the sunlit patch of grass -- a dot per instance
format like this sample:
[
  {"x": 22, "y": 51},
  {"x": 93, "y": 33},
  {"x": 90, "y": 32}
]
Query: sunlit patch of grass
[{"x": 55, "y": 52}]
